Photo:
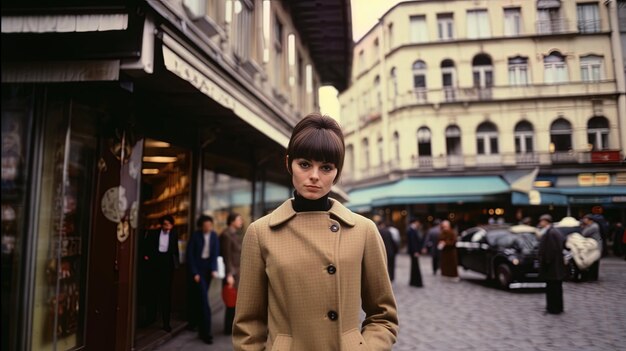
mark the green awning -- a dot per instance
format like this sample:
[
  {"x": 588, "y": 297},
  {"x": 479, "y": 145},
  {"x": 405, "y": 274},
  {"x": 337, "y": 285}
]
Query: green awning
[
  {"x": 429, "y": 190},
  {"x": 563, "y": 196}
]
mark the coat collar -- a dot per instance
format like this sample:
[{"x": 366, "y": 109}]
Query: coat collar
[{"x": 285, "y": 212}]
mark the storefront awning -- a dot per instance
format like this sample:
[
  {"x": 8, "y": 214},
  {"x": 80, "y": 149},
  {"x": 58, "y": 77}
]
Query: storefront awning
[
  {"x": 563, "y": 196},
  {"x": 429, "y": 190}
]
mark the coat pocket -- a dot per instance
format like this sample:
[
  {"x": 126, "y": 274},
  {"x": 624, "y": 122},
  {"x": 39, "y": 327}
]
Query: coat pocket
[
  {"x": 353, "y": 340},
  {"x": 282, "y": 343}
]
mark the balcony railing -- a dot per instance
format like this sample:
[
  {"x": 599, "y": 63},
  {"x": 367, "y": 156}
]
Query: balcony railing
[
  {"x": 552, "y": 26},
  {"x": 506, "y": 92},
  {"x": 425, "y": 162},
  {"x": 489, "y": 160},
  {"x": 589, "y": 26},
  {"x": 455, "y": 161},
  {"x": 564, "y": 157},
  {"x": 527, "y": 159}
]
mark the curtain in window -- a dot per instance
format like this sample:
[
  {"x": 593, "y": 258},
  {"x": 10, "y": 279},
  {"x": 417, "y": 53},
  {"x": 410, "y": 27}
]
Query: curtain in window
[
  {"x": 478, "y": 24},
  {"x": 419, "y": 31},
  {"x": 588, "y": 18}
]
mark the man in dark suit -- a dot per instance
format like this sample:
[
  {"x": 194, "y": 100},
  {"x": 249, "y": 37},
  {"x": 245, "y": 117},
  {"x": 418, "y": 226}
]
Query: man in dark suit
[
  {"x": 202, "y": 251},
  {"x": 551, "y": 265},
  {"x": 162, "y": 258},
  {"x": 415, "y": 241},
  {"x": 390, "y": 246}
]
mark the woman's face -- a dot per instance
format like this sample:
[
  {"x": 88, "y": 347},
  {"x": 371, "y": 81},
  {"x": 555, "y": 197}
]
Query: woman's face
[{"x": 312, "y": 179}]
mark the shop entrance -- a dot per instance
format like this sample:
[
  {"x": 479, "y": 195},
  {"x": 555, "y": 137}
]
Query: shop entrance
[{"x": 165, "y": 193}]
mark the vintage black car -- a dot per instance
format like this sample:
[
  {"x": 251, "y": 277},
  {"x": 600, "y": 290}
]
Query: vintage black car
[{"x": 505, "y": 254}]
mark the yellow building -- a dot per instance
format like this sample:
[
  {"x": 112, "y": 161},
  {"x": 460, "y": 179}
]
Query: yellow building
[{"x": 479, "y": 93}]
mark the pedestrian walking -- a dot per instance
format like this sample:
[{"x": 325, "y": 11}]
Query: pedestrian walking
[
  {"x": 202, "y": 252},
  {"x": 616, "y": 233},
  {"x": 415, "y": 241},
  {"x": 160, "y": 254},
  {"x": 395, "y": 235},
  {"x": 591, "y": 229},
  {"x": 390, "y": 245},
  {"x": 432, "y": 241},
  {"x": 230, "y": 247},
  {"x": 309, "y": 268},
  {"x": 551, "y": 266},
  {"x": 447, "y": 246}
]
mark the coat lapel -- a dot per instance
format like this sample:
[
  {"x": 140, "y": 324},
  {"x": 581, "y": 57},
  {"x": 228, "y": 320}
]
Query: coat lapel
[{"x": 285, "y": 212}]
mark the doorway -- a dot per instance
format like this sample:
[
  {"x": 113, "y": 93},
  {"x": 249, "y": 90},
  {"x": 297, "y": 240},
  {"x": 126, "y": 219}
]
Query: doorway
[{"x": 165, "y": 191}]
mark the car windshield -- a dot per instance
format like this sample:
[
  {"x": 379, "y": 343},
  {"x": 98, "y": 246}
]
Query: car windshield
[{"x": 524, "y": 242}]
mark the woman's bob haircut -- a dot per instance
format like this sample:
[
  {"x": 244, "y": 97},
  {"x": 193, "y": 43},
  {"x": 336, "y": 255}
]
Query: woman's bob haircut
[{"x": 317, "y": 138}]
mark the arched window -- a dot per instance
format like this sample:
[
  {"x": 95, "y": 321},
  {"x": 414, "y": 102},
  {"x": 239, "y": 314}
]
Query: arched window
[
  {"x": 560, "y": 136},
  {"x": 555, "y": 68},
  {"x": 396, "y": 145},
  {"x": 487, "y": 139},
  {"x": 366, "y": 154},
  {"x": 379, "y": 146},
  {"x": 524, "y": 138},
  {"x": 423, "y": 142},
  {"x": 378, "y": 98},
  {"x": 419, "y": 79},
  {"x": 598, "y": 133},
  {"x": 518, "y": 70},
  {"x": 393, "y": 83},
  {"x": 482, "y": 69},
  {"x": 453, "y": 140},
  {"x": 448, "y": 79}
]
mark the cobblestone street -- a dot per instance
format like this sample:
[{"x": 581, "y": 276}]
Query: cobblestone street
[{"x": 473, "y": 315}]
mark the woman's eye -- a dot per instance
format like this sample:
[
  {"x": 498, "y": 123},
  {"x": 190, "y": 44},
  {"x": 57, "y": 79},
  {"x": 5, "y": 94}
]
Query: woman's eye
[
  {"x": 304, "y": 164},
  {"x": 327, "y": 168}
]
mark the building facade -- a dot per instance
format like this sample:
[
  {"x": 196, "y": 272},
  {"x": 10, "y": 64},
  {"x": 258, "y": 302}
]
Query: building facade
[
  {"x": 115, "y": 113},
  {"x": 452, "y": 105}
]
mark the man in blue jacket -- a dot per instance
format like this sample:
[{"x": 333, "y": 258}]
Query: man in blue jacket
[{"x": 202, "y": 251}]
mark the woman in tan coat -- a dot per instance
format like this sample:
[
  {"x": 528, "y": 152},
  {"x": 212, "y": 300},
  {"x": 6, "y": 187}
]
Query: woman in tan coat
[{"x": 311, "y": 266}]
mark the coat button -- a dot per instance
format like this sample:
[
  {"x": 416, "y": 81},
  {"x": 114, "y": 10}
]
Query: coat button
[
  {"x": 331, "y": 269},
  {"x": 332, "y": 315},
  {"x": 334, "y": 228}
]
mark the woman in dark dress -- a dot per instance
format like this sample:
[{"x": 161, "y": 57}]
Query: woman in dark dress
[{"x": 447, "y": 245}]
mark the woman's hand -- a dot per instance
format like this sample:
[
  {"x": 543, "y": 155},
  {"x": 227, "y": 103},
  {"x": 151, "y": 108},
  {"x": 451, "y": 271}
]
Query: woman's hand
[{"x": 230, "y": 280}]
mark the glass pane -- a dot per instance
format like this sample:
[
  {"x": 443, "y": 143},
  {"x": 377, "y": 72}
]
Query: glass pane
[
  {"x": 529, "y": 144},
  {"x": 518, "y": 145},
  {"x": 64, "y": 227},
  {"x": 476, "y": 76},
  {"x": 488, "y": 78},
  {"x": 419, "y": 81},
  {"x": 447, "y": 79},
  {"x": 494, "y": 145},
  {"x": 605, "y": 141},
  {"x": 591, "y": 140},
  {"x": 480, "y": 146},
  {"x": 16, "y": 128},
  {"x": 584, "y": 72},
  {"x": 423, "y": 149}
]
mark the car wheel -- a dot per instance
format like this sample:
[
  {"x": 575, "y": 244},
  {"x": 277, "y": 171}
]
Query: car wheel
[{"x": 503, "y": 275}]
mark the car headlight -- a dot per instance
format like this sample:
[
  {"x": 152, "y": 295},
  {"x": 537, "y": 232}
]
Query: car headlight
[{"x": 515, "y": 261}]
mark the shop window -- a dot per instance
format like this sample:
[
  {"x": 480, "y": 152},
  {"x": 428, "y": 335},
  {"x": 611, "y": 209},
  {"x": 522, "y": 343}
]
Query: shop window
[
  {"x": 64, "y": 222},
  {"x": 17, "y": 103},
  {"x": 524, "y": 138},
  {"x": 560, "y": 136},
  {"x": 487, "y": 139},
  {"x": 598, "y": 133}
]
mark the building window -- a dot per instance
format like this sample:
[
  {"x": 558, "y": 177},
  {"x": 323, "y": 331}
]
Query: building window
[
  {"x": 478, "y": 24},
  {"x": 309, "y": 78},
  {"x": 419, "y": 31},
  {"x": 588, "y": 18},
  {"x": 591, "y": 68},
  {"x": 448, "y": 78},
  {"x": 560, "y": 136},
  {"x": 555, "y": 68},
  {"x": 376, "y": 52},
  {"x": 482, "y": 69},
  {"x": 366, "y": 154},
  {"x": 291, "y": 58},
  {"x": 598, "y": 133},
  {"x": 518, "y": 70},
  {"x": 396, "y": 145},
  {"x": 423, "y": 142},
  {"x": 487, "y": 139},
  {"x": 453, "y": 141},
  {"x": 362, "y": 60},
  {"x": 393, "y": 84},
  {"x": 267, "y": 15},
  {"x": 378, "y": 100},
  {"x": 278, "y": 52},
  {"x": 390, "y": 36},
  {"x": 379, "y": 146},
  {"x": 524, "y": 136},
  {"x": 445, "y": 26},
  {"x": 512, "y": 22},
  {"x": 419, "y": 79},
  {"x": 350, "y": 159},
  {"x": 549, "y": 21}
]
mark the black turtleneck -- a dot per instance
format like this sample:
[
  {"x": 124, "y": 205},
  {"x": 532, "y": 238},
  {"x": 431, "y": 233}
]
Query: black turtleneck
[{"x": 300, "y": 204}]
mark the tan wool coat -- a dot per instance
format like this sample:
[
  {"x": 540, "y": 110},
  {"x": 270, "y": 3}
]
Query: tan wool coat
[{"x": 305, "y": 276}]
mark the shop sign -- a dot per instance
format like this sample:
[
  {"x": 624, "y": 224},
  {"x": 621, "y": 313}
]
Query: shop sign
[
  {"x": 605, "y": 156},
  {"x": 619, "y": 198},
  {"x": 585, "y": 179},
  {"x": 602, "y": 179},
  {"x": 620, "y": 178}
]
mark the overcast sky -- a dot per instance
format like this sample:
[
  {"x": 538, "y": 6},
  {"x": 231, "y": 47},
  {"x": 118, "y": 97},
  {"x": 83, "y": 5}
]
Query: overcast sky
[{"x": 365, "y": 14}]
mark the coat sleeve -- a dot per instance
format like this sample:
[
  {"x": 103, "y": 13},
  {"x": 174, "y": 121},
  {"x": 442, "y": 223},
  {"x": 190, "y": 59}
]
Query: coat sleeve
[
  {"x": 192, "y": 259},
  {"x": 215, "y": 251},
  {"x": 225, "y": 248},
  {"x": 380, "y": 327},
  {"x": 250, "y": 326}
]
